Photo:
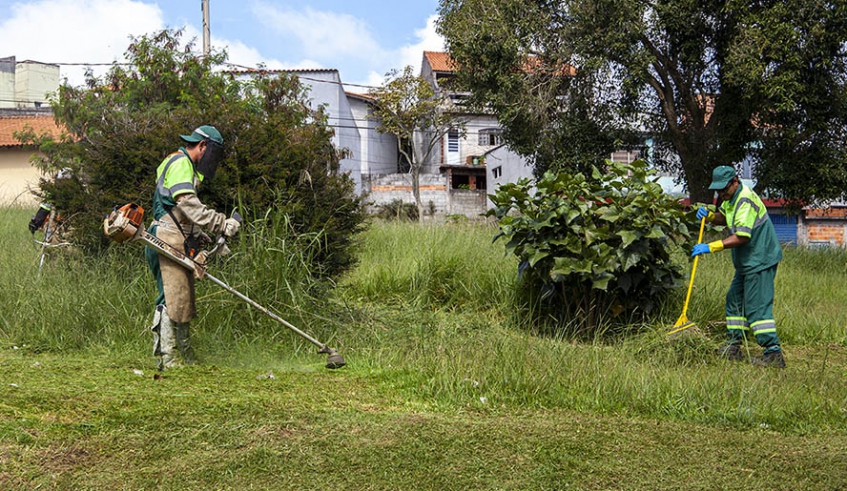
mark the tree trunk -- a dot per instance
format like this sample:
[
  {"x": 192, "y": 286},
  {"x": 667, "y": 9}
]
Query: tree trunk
[{"x": 416, "y": 189}]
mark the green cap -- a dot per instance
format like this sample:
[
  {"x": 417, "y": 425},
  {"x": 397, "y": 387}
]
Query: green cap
[
  {"x": 203, "y": 133},
  {"x": 721, "y": 177}
]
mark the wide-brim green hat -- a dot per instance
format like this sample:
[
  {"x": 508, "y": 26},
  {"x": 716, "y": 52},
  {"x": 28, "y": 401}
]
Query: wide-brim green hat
[{"x": 721, "y": 177}]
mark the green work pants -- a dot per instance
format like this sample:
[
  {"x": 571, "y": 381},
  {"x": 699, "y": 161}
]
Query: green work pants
[{"x": 749, "y": 306}]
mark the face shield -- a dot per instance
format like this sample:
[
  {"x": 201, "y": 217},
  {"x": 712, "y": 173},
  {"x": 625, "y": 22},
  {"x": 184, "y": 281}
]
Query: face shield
[{"x": 210, "y": 159}]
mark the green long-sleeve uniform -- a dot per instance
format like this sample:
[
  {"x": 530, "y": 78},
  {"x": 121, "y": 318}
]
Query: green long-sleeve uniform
[{"x": 749, "y": 301}]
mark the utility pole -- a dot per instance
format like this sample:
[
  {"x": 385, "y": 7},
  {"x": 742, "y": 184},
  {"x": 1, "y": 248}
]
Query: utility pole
[{"x": 207, "y": 47}]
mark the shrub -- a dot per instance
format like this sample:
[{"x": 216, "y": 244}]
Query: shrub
[
  {"x": 397, "y": 210},
  {"x": 279, "y": 155},
  {"x": 595, "y": 248}
]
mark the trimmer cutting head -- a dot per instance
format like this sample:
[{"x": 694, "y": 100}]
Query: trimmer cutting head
[{"x": 334, "y": 360}]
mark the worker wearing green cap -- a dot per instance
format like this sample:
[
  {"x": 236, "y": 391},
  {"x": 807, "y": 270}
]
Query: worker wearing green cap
[
  {"x": 179, "y": 217},
  {"x": 755, "y": 254}
]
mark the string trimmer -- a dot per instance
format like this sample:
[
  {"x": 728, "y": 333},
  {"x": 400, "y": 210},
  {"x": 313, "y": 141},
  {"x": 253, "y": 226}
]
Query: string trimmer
[{"x": 125, "y": 224}]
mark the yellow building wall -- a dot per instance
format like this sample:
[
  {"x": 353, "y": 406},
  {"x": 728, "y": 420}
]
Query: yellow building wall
[{"x": 17, "y": 177}]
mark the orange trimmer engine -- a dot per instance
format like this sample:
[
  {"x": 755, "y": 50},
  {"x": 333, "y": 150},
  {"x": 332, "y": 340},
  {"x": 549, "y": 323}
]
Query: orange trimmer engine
[{"x": 124, "y": 223}]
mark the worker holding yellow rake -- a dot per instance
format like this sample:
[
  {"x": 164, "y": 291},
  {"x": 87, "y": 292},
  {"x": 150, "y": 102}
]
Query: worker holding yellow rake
[{"x": 755, "y": 254}]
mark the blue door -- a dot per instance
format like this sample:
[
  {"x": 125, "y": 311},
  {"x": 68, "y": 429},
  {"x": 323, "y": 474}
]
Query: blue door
[{"x": 786, "y": 227}]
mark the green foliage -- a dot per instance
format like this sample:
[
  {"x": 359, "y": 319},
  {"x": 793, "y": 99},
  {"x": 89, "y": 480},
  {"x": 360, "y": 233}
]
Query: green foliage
[
  {"x": 514, "y": 64},
  {"x": 710, "y": 82},
  {"x": 279, "y": 154},
  {"x": 397, "y": 210},
  {"x": 792, "y": 60},
  {"x": 597, "y": 246}
]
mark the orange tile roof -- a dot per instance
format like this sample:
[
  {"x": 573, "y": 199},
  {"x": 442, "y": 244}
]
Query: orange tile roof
[
  {"x": 442, "y": 62},
  {"x": 40, "y": 124}
]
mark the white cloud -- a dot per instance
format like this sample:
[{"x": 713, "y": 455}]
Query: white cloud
[
  {"x": 76, "y": 31},
  {"x": 428, "y": 40},
  {"x": 411, "y": 54},
  {"x": 243, "y": 56},
  {"x": 322, "y": 35}
]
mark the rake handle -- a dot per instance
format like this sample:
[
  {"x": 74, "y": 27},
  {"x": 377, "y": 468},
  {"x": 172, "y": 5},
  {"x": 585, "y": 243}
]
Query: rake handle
[{"x": 693, "y": 270}]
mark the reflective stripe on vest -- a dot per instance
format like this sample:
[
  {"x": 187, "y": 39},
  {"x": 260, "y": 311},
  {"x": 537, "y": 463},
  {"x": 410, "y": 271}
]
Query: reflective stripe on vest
[
  {"x": 181, "y": 186},
  {"x": 747, "y": 197}
]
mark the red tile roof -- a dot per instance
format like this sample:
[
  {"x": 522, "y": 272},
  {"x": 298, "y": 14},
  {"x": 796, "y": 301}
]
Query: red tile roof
[
  {"x": 440, "y": 62},
  {"x": 40, "y": 124}
]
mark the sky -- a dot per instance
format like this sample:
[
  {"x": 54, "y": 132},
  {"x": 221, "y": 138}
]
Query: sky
[{"x": 362, "y": 39}]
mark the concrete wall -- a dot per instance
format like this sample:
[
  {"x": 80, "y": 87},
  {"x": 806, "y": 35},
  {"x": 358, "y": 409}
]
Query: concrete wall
[
  {"x": 470, "y": 203},
  {"x": 34, "y": 83},
  {"x": 18, "y": 176},
  {"x": 385, "y": 189},
  {"x": 7, "y": 82}
]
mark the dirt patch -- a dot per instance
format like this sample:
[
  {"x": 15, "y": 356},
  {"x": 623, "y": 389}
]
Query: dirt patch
[{"x": 64, "y": 459}]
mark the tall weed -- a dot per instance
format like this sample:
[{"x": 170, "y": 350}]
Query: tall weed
[
  {"x": 78, "y": 302},
  {"x": 452, "y": 266}
]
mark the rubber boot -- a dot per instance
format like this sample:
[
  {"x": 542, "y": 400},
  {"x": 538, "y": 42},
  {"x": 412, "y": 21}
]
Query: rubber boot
[
  {"x": 164, "y": 340},
  {"x": 183, "y": 343}
]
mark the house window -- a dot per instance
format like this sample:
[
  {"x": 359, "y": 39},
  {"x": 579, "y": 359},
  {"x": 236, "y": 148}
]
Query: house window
[
  {"x": 497, "y": 171},
  {"x": 453, "y": 141},
  {"x": 453, "y": 154},
  {"x": 490, "y": 137}
]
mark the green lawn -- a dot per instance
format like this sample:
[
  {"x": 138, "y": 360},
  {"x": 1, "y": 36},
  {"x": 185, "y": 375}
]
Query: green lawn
[{"x": 445, "y": 388}]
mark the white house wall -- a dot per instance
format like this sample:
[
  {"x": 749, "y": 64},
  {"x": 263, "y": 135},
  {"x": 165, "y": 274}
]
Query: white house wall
[
  {"x": 505, "y": 166},
  {"x": 325, "y": 89},
  {"x": 378, "y": 152},
  {"x": 35, "y": 83}
]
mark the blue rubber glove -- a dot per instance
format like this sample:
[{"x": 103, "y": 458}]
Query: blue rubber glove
[
  {"x": 702, "y": 213},
  {"x": 700, "y": 249}
]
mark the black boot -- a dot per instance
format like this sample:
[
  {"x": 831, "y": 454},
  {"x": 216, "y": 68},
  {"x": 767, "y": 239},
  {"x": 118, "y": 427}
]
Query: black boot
[
  {"x": 731, "y": 352},
  {"x": 774, "y": 359}
]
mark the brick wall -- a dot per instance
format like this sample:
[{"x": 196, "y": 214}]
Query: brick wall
[
  {"x": 824, "y": 226},
  {"x": 832, "y": 233},
  {"x": 831, "y": 213}
]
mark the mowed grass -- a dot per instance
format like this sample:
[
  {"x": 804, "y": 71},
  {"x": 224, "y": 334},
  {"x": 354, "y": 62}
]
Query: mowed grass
[{"x": 445, "y": 387}]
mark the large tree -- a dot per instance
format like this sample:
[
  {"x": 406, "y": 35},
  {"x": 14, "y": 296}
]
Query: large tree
[
  {"x": 710, "y": 81},
  {"x": 279, "y": 156},
  {"x": 410, "y": 108}
]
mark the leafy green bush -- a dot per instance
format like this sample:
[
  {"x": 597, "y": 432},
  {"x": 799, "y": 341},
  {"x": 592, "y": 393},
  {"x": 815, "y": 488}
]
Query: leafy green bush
[
  {"x": 279, "y": 154},
  {"x": 597, "y": 248}
]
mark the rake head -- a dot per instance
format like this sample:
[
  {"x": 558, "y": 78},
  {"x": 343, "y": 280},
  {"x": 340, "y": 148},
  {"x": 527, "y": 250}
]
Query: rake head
[{"x": 682, "y": 325}]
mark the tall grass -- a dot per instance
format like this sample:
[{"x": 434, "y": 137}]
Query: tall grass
[
  {"x": 452, "y": 266},
  {"x": 459, "y": 350},
  {"x": 76, "y": 302},
  {"x": 430, "y": 313}
]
